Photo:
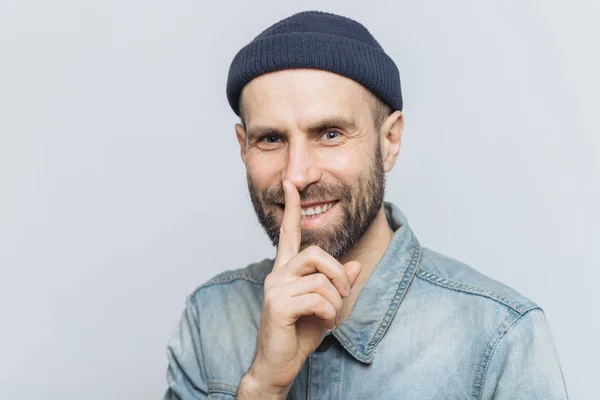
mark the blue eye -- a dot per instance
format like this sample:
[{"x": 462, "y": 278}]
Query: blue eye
[{"x": 331, "y": 135}]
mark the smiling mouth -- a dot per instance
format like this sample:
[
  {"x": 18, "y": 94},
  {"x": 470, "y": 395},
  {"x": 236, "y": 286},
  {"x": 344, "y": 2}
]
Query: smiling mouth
[{"x": 315, "y": 209}]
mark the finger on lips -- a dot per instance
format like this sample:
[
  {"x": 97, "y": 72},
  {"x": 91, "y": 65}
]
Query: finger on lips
[
  {"x": 291, "y": 226},
  {"x": 313, "y": 280}
]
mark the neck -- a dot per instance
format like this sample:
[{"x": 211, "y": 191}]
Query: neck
[{"x": 367, "y": 251}]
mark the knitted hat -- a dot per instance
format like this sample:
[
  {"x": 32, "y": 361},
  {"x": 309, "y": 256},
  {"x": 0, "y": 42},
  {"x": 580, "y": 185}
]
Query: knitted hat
[{"x": 314, "y": 39}]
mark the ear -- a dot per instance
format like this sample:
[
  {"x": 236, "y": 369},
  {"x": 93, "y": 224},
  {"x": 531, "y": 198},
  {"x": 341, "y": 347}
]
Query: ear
[
  {"x": 240, "y": 132},
  {"x": 391, "y": 138}
]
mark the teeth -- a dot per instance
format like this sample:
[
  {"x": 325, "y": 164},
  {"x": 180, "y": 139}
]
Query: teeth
[{"x": 307, "y": 212}]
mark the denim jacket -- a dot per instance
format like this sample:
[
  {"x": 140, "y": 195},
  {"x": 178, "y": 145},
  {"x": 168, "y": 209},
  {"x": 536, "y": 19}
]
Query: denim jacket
[{"x": 425, "y": 326}]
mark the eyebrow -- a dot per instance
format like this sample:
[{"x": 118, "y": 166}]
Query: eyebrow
[{"x": 316, "y": 127}]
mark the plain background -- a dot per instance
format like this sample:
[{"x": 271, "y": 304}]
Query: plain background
[{"x": 122, "y": 190}]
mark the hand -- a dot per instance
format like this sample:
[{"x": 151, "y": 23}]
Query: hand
[{"x": 302, "y": 299}]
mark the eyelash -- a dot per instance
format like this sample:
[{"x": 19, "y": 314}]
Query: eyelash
[
  {"x": 265, "y": 137},
  {"x": 332, "y": 131}
]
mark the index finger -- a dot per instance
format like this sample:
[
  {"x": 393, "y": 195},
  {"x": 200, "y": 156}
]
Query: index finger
[{"x": 290, "y": 232}]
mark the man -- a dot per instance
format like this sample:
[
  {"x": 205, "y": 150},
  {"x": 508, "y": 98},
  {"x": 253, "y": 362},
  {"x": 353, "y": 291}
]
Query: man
[{"x": 352, "y": 307}]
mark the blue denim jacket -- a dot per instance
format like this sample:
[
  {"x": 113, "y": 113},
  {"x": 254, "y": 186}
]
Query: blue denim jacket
[{"x": 425, "y": 326}]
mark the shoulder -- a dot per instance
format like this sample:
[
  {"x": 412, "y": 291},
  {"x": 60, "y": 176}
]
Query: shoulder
[
  {"x": 447, "y": 273},
  {"x": 488, "y": 321},
  {"x": 229, "y": 285},
  {"x": 253, "y": 273},
  {"x": 231, "y": 302}
]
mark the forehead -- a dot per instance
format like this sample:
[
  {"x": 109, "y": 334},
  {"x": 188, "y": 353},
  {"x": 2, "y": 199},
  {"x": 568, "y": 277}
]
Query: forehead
[{"x": 301, "y": 96}]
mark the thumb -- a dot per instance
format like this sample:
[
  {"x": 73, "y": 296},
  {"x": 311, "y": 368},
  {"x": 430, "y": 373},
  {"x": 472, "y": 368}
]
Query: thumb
[{"x": 353, "y": 269}]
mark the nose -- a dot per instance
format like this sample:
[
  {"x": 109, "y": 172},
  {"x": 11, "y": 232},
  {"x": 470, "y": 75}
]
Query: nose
[{"x": 301, "y": 168}]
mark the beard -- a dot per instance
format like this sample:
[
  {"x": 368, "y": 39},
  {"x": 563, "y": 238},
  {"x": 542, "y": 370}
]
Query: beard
[{"x": 359, "y": 205}]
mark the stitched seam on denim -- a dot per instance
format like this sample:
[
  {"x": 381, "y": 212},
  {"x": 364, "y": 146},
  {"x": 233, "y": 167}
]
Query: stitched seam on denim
[
  {"x": 232, "y": 278},
  {"x": 342, "y": 363},
  {"x": 308, "y": 383},
  {"x": 398, "y": 297},
  {"x": 490, "y": 351},
  {"x": 221, "y": 387},
  {"x": 191, "y": 307},
  {"x": 475, "y": 290},
  {"x": 346, "y": 343}
]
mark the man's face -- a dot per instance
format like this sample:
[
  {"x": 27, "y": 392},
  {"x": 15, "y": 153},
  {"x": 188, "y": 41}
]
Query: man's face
[{"x": 315, "y": 129}]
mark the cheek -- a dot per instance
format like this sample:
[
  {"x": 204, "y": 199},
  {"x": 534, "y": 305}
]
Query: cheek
[
  {"x": 263, "y": 171},
  {"x": 345, "y": 165}
]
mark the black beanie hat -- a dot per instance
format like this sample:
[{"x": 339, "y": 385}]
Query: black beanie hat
[{"x": 319, "y": 40}]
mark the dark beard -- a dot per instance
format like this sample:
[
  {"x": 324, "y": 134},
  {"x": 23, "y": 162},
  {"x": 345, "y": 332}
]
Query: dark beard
[{"x": 359, "y": 205}]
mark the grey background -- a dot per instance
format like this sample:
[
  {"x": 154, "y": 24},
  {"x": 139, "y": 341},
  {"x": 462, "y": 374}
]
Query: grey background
[{"x": 121, "y": 187}]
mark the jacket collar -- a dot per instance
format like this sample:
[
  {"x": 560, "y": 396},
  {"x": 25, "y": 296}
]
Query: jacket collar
[{"x": 383, "y": 292}]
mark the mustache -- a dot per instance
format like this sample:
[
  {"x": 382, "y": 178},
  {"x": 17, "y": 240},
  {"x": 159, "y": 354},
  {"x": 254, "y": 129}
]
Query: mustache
[{"x": 310, "y": 193}]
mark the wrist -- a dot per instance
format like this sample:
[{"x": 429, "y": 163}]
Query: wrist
[{"x": 252, "y": 388}]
